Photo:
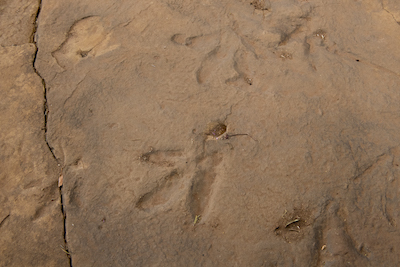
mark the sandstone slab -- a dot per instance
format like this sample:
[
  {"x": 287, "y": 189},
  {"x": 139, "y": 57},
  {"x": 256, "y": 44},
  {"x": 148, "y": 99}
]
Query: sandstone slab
[{"x": 306, "y": 171}]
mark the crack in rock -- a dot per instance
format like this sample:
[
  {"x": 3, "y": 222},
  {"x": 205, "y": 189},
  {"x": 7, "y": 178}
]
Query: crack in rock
[{"x": 45, "y": 114}]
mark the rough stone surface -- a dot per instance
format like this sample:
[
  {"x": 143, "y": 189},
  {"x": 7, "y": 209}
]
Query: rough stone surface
[
  {"x": 224, "y": 133},
  {"x": 17, "y": 21},
  {"x": 31, "y": 222}
]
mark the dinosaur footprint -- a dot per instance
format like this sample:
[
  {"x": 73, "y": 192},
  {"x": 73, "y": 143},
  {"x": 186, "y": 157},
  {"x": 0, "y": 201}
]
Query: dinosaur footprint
[
  {"x": 170, "y": 187},
  {"x": 86, "y": 37},
  {"x": 206, "y": 43},
  {"x": 167, "y": 187}
]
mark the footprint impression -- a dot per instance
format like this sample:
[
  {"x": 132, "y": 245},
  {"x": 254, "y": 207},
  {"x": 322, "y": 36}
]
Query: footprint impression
[
  {"x": 218, "y": 61},
  {"x": 201, "y": 173},
  {"x": 167, "y": 186},
  {"x": 86, "y": 37}
]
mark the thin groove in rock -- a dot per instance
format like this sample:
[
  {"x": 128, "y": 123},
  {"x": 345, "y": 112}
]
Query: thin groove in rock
[{"x": 45, "y": 114}]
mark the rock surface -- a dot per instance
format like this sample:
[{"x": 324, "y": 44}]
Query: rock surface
[
  {"x": 228, "y": 133},
  {"x": 31, "y": 222}
]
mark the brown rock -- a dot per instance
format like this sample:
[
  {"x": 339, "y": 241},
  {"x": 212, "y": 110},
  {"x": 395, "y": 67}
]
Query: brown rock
[
  {"x": 17, "y": 21},
  {"x": 31, "y": 222},
  {"x": 309, "y": 173},
  {"x": 31, "y": 225}
]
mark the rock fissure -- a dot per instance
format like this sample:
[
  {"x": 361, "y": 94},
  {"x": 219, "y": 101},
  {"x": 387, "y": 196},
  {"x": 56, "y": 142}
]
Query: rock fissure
[{"x": 45, "y": 117}]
